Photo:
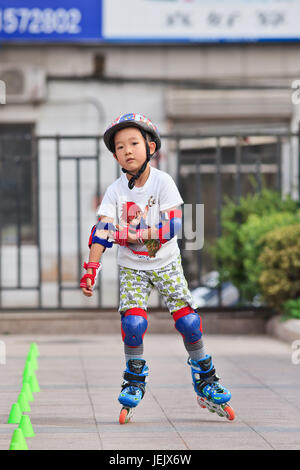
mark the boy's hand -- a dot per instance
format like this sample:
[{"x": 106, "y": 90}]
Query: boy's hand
[
  {"x": 88, "y": 290},
  {"x": 148, "y": 234},
  {"x": 88, "y": 280},
  {"x": 126, "y": 236}
]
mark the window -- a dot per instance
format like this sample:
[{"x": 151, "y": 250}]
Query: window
[{"x": 18, "y": 184}]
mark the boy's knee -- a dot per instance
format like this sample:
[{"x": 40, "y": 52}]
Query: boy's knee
[
  {"x": 134, "y": 326},
  {"x": 189, "y": 324}
]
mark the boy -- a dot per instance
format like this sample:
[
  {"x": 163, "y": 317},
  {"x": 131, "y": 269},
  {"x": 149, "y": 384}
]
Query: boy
[{"x": 145, "y": 201}]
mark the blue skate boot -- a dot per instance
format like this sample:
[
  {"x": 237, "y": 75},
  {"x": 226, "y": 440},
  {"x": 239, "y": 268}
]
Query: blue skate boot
[
  {"x": 210, "y": 393},
  {"x": 133, "y": 388}
]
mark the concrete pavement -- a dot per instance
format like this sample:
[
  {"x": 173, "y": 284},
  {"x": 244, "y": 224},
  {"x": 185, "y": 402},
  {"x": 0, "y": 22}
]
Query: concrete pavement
[{"x": 80, "y": 377}]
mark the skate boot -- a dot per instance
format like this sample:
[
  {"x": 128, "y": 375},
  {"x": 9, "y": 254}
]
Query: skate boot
[
  {"x": 133, "y": 388},
  {"x": 210, "y": 393}
]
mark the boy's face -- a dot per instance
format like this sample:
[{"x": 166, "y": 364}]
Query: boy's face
[{"x": 130, "y": 148}]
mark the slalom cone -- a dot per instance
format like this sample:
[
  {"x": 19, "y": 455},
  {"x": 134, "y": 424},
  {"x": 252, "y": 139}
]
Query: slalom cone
[
  {"x": 32, "y": 361},
  {"x": 15, "y": 414},
  {"x": 33, "y": 382},
  {"x": 14, "y": 446},
  {"x": 28, "y": 370},
  {"x": 34, "y": 350},
  {"x": 26, "y": 426},
  {"x": 23, "y": 403},
  {"x": 18, "y": 441},
  {"x": 27, "y": 390}
]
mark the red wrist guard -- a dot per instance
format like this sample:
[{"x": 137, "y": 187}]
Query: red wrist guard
[{"x": 94, "y": 267}]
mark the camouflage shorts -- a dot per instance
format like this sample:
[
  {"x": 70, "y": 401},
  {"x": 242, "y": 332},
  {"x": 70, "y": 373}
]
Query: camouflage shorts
[{"x": 136, "y": 286}]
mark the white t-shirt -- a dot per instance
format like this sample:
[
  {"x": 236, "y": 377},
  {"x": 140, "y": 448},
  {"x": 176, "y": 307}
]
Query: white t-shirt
[{"x": 159, "y": 193}]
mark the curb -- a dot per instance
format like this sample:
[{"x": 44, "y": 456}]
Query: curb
[
  {"x": 286, "y": 330},
  {"x": 108, "y": 322}
]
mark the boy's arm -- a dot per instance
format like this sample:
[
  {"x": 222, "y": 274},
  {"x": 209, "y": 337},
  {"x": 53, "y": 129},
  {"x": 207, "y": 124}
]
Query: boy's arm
[
  {"x": 96, "y": 252},
  {"x": 168, "y": 227}
]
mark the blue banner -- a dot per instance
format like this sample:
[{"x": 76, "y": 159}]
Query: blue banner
[{"x": 50, "y": 20}]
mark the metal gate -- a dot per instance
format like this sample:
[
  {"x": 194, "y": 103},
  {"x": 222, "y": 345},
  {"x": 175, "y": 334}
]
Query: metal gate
[{"x": 50, "y": 187}]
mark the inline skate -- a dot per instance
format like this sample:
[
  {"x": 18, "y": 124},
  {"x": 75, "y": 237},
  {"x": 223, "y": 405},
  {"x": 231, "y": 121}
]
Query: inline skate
[{"x": 210, "y": 393}]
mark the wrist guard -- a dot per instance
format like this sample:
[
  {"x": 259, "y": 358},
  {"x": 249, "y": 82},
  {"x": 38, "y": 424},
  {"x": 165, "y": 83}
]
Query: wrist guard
[{"x": 92, "y": 277}]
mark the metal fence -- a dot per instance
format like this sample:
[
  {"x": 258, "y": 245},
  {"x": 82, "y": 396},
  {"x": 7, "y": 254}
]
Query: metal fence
[{"x": 50, "y": 187}]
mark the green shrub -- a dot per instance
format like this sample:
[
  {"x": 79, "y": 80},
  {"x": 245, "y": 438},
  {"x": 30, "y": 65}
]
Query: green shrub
[
  {"x": 280, "y": 257},
  {"x": 251, "y": 237},
  {"x": 229, "y": 253},
  {"x": 291, "y": 308}
]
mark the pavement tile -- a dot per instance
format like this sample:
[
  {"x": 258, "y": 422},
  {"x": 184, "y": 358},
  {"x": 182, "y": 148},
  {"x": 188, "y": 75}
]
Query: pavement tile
[{"x": 80, "y": 377}]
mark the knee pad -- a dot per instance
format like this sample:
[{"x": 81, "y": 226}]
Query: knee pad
[
  {"x": 189, "y": 324},
  {"x": 133, "y": 326}
]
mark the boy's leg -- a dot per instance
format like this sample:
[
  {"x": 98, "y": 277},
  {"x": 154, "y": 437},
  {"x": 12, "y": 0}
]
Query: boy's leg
[
  {"x": 188, "y": 323},
  {"x": 134, "y": 293},
  {"x": 133, "y": 327},
  {"x": 172, "y": 285}
]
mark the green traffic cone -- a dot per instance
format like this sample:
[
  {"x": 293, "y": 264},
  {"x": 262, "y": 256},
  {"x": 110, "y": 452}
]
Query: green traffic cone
[
  {"x": 15, "y": 414},
  {"x": 14, "y": 446},
  {"x": 28, "y": 370},
  {"x": 32, "y": 361},
  {"x": 26, "y": 426},
  {"x": 34, "y": 349},
  {"x": 33, "y": 382},
  {"x": 23, "y": 402},
  {"x": 27, "y": 390},
  {"x": 18, "y": 441}
]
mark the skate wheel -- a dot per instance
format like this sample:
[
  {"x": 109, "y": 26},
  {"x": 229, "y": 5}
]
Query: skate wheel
[
  {"x": 230, "y": 414},
  {"x": 123, "y": 418},
  {"x": 201, "y": 402}
]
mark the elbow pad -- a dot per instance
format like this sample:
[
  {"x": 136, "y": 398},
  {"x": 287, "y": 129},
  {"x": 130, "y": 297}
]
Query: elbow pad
[{"x": 102, "y": 241}]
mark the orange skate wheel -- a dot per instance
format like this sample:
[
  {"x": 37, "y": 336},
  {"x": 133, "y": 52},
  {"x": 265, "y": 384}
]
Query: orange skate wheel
[
  {"x": 123, "y": 416},
  {"x": 229, "y": 412},
  {"x": 201, "y": 402}
]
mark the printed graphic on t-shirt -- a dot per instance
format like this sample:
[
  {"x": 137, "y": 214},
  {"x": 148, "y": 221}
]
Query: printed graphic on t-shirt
[
  {"x": 146, "y": 204},
  {"x": 132, "y": 214}
]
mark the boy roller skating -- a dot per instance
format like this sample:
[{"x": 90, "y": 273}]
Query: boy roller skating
[{"x": 141, "y": 213}]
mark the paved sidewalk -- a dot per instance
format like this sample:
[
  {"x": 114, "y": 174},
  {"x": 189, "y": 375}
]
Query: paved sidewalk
[{"x": 80, "y": 379}]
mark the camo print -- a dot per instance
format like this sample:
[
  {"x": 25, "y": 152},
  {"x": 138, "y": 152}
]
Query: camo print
[{"x": 136, "y": 286}]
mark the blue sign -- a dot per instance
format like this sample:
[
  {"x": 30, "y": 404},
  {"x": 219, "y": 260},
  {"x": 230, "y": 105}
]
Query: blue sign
[{"x": 50, "y": 20}]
